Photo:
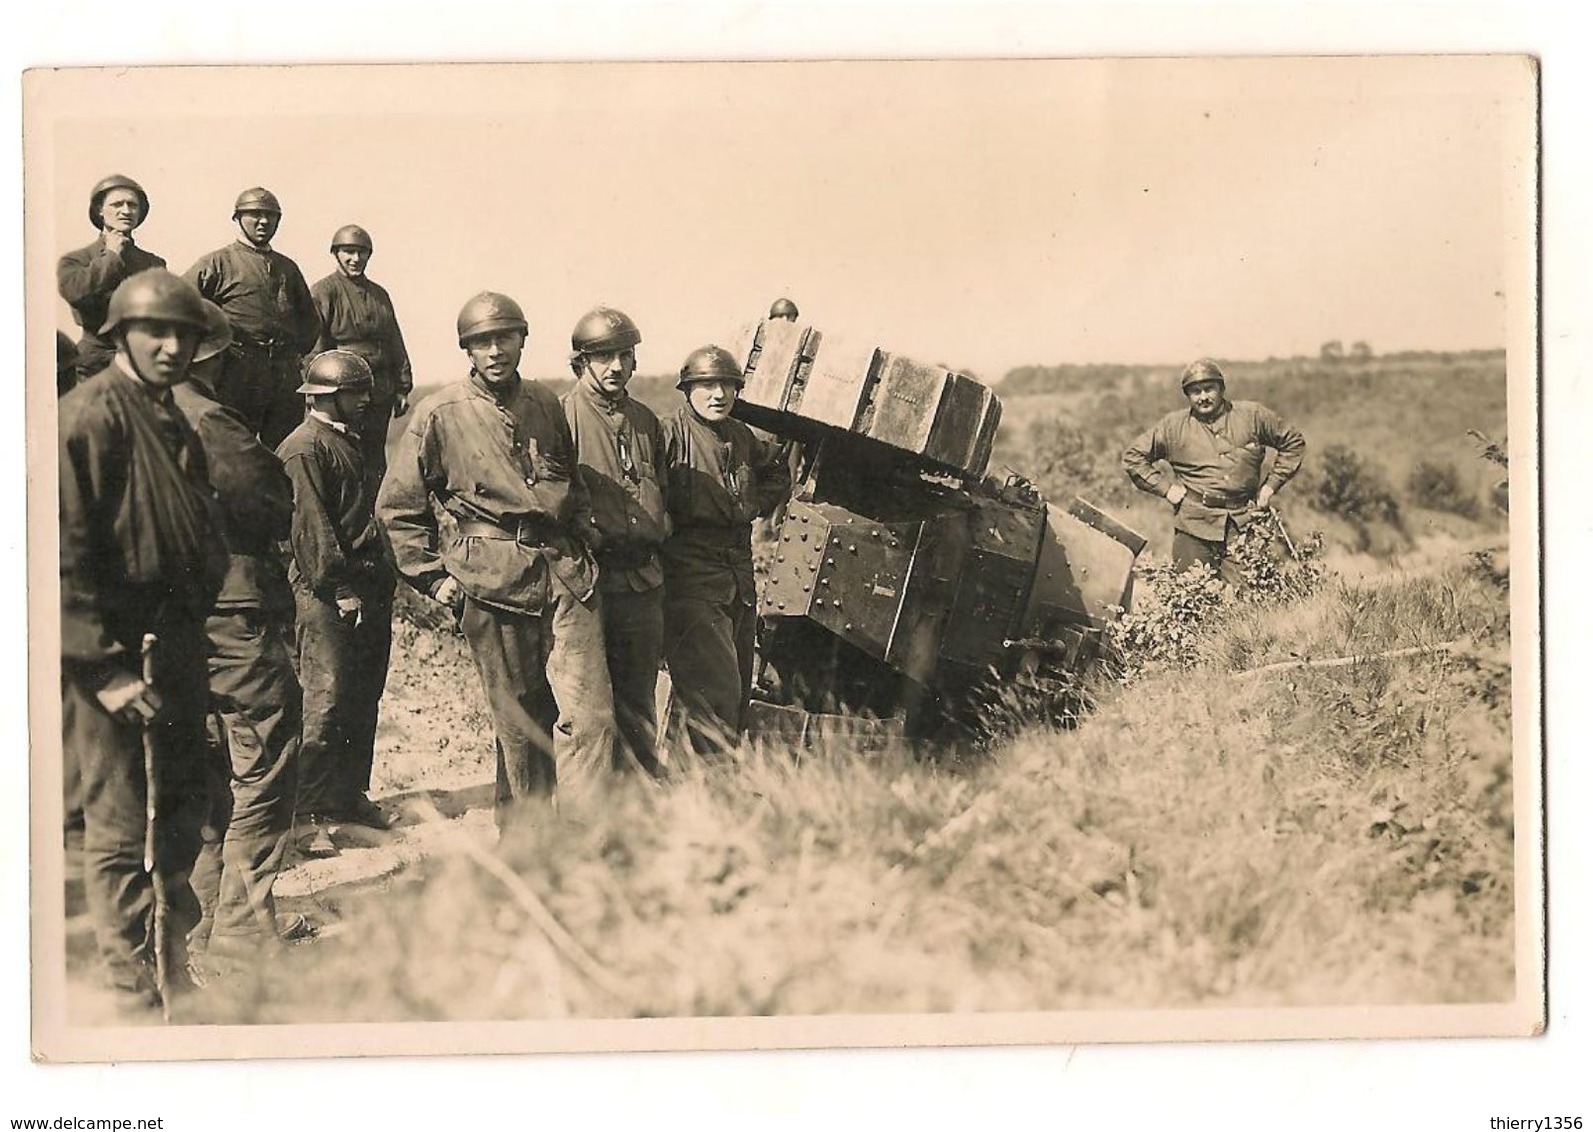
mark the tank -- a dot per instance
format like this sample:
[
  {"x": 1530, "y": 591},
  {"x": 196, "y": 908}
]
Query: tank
[{"x": 900, "y": 582}]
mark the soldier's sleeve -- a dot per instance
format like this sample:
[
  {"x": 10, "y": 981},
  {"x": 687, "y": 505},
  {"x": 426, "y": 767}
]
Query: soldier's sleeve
[
  {"x": 1139, "y": 460},
  {"x": 205, "y": 275},
  {"x": 322, "y": 298},
  {"x": 404, "y": 377},
  {"x": 253, "y": 488},
  {"x": 316, "y": 547},
  {"x": 772, "y": 473},
  {"x": 77, "y": 277},
  {"x": 583, "y": 520},
  {"x": 306, "y": 318},
  {"x": 403, "y": 505},
  {"x": 1288, "y": 441},
  {"x": 88, "y": 481}
]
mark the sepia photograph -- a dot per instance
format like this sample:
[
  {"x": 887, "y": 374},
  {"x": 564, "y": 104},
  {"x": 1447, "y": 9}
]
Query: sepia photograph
[{"x": 716, "y": 555}]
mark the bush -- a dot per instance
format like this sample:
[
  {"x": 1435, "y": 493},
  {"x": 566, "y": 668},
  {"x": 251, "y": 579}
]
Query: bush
[
  {"x": 1356, "y": 490},
  {"x": 1437, "y": 487},
  {"x": 1064, "y": 460}
]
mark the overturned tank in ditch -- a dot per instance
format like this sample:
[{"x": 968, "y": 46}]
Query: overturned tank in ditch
[{"x": 903, "y": 582}]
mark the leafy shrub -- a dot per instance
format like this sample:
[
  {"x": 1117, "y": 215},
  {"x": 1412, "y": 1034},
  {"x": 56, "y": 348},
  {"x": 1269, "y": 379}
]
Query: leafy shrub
[
  {"x": 1064, "y": 460},
  {"x": 1437, "y": 487},
  {"x": 1354, "y": 489}
]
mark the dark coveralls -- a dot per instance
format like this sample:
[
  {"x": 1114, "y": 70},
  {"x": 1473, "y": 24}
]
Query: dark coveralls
[
  {"x": 357, "y": 315},
  {"x": 274, "y": 323},
  {"x": 500, "y": 461},
  {"x": 338, "y": 552},
  {"x": 85, "y": 278},
  {"x": 721, "y": 477},
  {"x": 1219, "y": 463},
  {"x": 619, "y": 449},
  {"x": 254, "y": 694},
  {"x": 141, "y": 553}
]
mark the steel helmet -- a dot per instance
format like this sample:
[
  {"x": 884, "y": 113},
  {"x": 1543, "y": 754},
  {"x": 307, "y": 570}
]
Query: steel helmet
[
  {"x": 490, "y": 311},
  {"x": 334, "y": 370},
  {"x": 256, "y": 200},
  {"x": 115, "y": 181},
  {"x": 218, "y": 332},
  {"x": 709, "y": 363},
  {"x": 604, "y": 330},
  {"x": 783, "y": 308},
  {"x": 351, "y": 236},
  {"x": 1203, "y": 370},
  {"x": 155, "y": 294}
]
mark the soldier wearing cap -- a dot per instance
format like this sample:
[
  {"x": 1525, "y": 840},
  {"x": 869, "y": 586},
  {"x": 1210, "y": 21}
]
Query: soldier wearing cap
[
  {"x": 357, "y": 315},
  {"x": 619, "y": 451},
  {"x": 495, "y": 453},
  {"x": 273, "y": 317},
  {"x": 254, "y": 694},
  {"x": 343, "y": 582},
  {"x": 86, "y": 277},
  {"x": 140, "y": 555},
  {"x": 721, "y": 477},
  {"x": 1214, "y": 451}
]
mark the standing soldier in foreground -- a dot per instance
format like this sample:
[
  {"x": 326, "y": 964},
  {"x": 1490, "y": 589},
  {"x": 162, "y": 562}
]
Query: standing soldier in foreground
[
  {"x": 619, "y": 448},
  {"x": 357, "y": 315},
  {"x": 1215, "y": 448},
  {"x": 721, "y": 477},
  {"x": 343, "y": 584},
  {"x": 253, "y": 691},
  {"x": 86, "y": 277},
  {"x": 494, "y": 451},
  {"x": 273, "y": 318},
  {"x": 140, "y": 555}
]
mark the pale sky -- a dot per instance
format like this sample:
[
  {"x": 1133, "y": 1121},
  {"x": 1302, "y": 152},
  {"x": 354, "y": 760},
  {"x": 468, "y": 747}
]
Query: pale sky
[{"x": 979, "y": 214}]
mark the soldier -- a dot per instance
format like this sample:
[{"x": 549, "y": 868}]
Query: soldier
[
  {"x": 343, "y": 582},
  {"x": 274, "y": 321},
  {"x": 784, "y": 308},
  {"x": 140, "y": 554},
  {"x": 86, "y": 277},
  {"x": 721, "y": 477},
  {"x": 253, "y": 691},
  {"x": 1215, "y": 449},
  {"x": 65, "y": 365},
  {"x": 619, "y": 449},
  {"x": 494, "y": 451},
  {"x": 357, "y": 315}
]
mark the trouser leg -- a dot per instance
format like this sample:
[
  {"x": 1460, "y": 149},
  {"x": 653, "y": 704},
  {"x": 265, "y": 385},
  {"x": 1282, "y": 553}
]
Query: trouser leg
[
  {"x": 373, "y": 642},
  {"x": 246, "y": 385},
  {"x": 584, "y": 736},
  {"x": 110, "y": 754},
  {"x": 633, "y": 634},
  {"x": 328, "y": 662},
  {"x": 373, "y": 427},
  {"x": 510, "y": 651},
  {"x": 283, "y": 408},
  {"x": 1190, "y": 551},
  {"x": 258, "y": 702},
  {"x": 700, "y": 645}
]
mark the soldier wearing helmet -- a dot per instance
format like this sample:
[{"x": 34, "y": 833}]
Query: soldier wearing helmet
[
  {"x": 357, "y": 314},
  {"x": 343, "y": 583},
  {"x": 273, "y": 317},
  {"x": 254, "y": 693},
  {"x": 86, "y": 277},
  {"x": 784, "y": 308},
  {"x": 619, "y": 451},
  {"x": 494, "y": 451},
  {"x": 721, "y": 477},
  {"x": 140, "y": 555},
  {"x": 1214, "y": 451}
]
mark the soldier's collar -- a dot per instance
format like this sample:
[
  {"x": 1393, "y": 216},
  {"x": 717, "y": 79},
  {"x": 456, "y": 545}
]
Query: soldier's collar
[
  {"x": 260, "y": 249},
  {"x": 335, "y": 426},
  {"x": 160, "y": 393},
  {"x": 499, "y": 393},
  {"x": 601, "y": 399}
]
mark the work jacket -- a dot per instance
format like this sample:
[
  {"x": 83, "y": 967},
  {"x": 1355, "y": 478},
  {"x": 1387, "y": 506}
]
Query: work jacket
[
  {"x": 1219, "y": 463},
  {"x": 264, "y": 296},
  {"x": 357, "y": 315},
  {"x": 256, "y": 499},
  {"x": 720, "y": 478},
  {"x": 140, "y": 537},
  {"x": 500, "y": 462},
  {"x": 337, "y": 547},
  {"x": 86, "y": 278},
  {"x": 619, "y": 452}
]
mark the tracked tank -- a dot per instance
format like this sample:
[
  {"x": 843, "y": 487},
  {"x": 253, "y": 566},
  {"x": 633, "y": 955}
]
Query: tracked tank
[{"x": 900, "y": 582}]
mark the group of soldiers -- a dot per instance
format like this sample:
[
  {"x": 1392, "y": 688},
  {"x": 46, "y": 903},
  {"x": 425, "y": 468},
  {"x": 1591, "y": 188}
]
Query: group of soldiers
[{"x": 232, "y": 540}]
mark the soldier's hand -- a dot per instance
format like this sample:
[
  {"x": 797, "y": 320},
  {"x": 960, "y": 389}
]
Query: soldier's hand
[
  {"x": 350, "y": 609},
  {"x": 401, "y": 404},
  {"x": 1176, "y": 493},
  {"x": 128, "y": 698},
  {"x": 1264, "y": 497},
  {"x": 449, "y": 593},
  {"x": 116, "y": 242}
]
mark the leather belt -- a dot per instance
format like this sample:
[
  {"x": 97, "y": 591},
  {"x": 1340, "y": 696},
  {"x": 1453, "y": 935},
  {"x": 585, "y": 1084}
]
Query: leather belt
[
  {"x": 526, "y": 532},
  {"x": 1220, "y": 502}
]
